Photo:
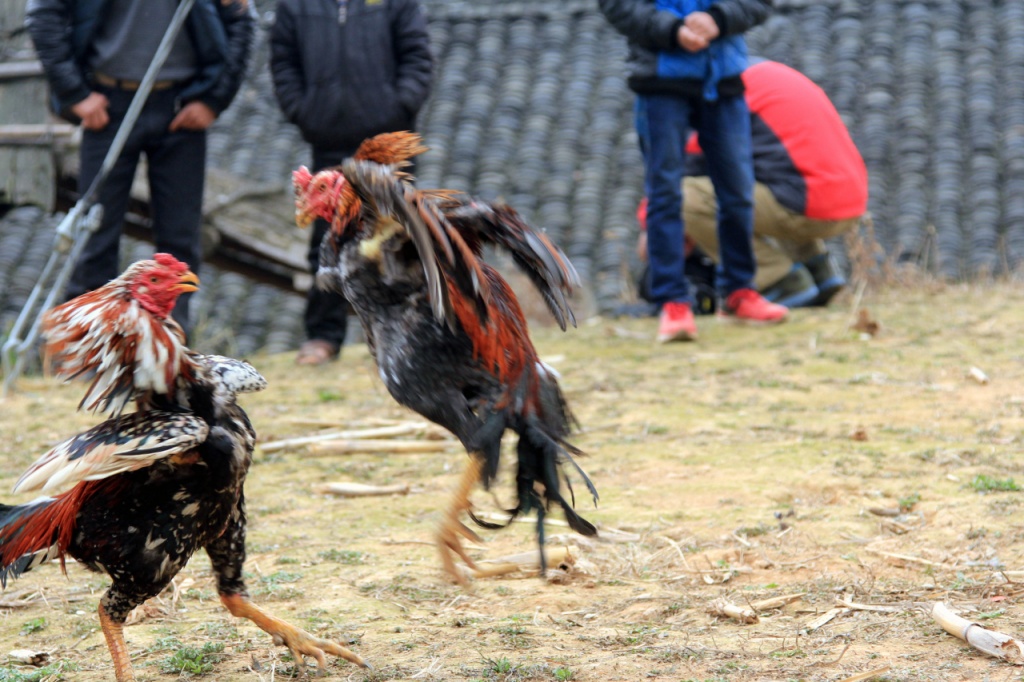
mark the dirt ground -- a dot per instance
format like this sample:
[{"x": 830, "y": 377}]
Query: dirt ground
[{"x": 808, "y": 459}]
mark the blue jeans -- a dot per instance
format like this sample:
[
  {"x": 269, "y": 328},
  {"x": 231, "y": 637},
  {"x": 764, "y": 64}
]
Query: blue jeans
[
  {"x": 176, "y": 163},
  {"x": 663, "y": 122}
]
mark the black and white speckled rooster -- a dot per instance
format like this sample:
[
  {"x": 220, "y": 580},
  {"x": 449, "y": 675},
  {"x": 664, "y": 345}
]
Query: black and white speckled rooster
[
  {"x": 446, "y": 330},
  {"x": 149, "y": 487}
]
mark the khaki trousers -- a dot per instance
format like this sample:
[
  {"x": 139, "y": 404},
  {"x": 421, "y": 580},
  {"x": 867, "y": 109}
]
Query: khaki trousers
[{"x": 781, "y": 236}]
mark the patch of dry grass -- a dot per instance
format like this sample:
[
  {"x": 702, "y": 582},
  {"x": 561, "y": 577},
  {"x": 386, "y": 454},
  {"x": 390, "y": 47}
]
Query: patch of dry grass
[{"x": 753, "y": 464}]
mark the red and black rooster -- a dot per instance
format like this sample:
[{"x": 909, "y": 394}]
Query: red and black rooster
[
  {"x": 150, "y": 487},
  {"x": 446, "y": 330}
]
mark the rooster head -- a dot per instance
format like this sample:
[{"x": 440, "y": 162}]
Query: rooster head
[
  {"x": 320, "y": 195},
  {"x": 156, "y": 284}
]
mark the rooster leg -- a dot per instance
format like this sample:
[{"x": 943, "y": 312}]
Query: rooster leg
[
  {"x": 113, "y": 631},
  {"x": 298, "y": 641},
  {"x": 448, "y": 535}
]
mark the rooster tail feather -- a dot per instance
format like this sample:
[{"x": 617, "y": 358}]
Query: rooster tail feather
[
  {"x": 540, "y": 457},
  {"x": 26, "y": 538},
  {"x": 487, "y": 441}
]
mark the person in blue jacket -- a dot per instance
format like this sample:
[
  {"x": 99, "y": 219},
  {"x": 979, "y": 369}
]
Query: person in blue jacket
[
  {"x": 95, "y": 54},
  {"x": 686, "y": 58}
]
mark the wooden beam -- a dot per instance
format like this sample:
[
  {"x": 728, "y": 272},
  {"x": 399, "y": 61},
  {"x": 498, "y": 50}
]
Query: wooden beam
[
  {"x": 34, "y": 133},
  {"x": 28, "y": 69}
]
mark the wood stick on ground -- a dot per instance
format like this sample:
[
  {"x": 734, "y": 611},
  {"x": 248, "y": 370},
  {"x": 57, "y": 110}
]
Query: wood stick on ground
[
  {"x": 352, "y": 434},
  {"x": 555, "y": 557},
  {"x": 846, "y": 602},
  {"x": 347, "y": 489},
  {"x": 825, "y": 618},
  {"x": 860, "y": 677},
  {"x": 911, "y": 559},
  {"x": 776, "y": 602},
  {"x": 721, "y": 607},
  {"x": 395, "y": 447},
  {"x": 988, "y": 641}
]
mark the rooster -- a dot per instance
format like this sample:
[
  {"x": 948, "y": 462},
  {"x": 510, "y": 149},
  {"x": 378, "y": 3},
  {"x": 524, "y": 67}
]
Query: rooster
[
  {"x": 149, "y": 487},
  {"x": 445, "y": 329}
]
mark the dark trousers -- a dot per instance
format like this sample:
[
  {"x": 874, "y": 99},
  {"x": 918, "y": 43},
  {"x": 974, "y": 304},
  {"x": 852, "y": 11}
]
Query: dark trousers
[
  {"x": 326, "y": 315},
  {"x": 176, "y": 163},
  {"x": 663, "y": 123}
]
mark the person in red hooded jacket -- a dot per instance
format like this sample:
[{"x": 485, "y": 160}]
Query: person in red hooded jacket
[{"x": 810, "y": 184}]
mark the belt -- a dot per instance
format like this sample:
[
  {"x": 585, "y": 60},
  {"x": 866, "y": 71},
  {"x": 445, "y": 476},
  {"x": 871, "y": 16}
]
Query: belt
[{"x": 122, "y": 84}]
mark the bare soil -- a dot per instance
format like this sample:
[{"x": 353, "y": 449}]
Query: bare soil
[{"x": 808, "y": 458}]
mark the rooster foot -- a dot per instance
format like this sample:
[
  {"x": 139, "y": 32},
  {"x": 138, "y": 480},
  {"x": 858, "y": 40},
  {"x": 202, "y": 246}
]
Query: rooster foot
[
  {"x": 299, "y": 642},
  {"x": 449, "y": 535}
]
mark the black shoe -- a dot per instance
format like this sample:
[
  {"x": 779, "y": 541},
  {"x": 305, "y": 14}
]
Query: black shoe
[
  {"x": 827, "y": 278},
  {"x": 795, "y": 290}
]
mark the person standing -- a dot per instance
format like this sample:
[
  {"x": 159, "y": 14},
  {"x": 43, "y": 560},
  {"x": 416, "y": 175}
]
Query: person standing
[
  {"x": 95, "y": 54},
  {"x": 686, "y": 57},
  {"x": 343, "y": 71}
]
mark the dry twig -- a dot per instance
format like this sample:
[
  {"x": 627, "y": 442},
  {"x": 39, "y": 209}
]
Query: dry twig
[
  {"x": 721, "y": 607},
  {"x": 347, "y": 489},
  {"x": 987, "y": 641}
]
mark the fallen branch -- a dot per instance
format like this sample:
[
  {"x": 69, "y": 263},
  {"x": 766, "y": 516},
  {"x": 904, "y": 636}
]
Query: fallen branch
[
  {"x": 348, "y": 447},
  {"x": 555, "y": 557},
  {"x": 825, "y": 618},
  {"x": 853, "y": 606},
  {"x": 721, "y": 607},
  {"x": 860, "y": 677},
  {"x": 353, "y": 434},
  {"x": 776, "y": 602},
  {"x": 911, "y": 559},
  {"x": 345, "y": 489},
  {"x": 987, "y": 641}
]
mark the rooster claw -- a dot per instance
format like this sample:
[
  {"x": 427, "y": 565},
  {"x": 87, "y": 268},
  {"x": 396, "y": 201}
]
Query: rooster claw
[
  {"x": 449, "y": 544},
  {"x": 301, "y": 644}
]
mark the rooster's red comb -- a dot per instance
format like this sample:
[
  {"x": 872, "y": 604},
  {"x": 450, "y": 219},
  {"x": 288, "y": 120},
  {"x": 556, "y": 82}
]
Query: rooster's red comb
[{"x": 170, "y": 262}]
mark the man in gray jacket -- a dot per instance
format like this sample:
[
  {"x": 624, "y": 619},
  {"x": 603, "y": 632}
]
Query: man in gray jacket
[
  {"x": 95, "y": 53},
  {"x": 343, "y": 71}
]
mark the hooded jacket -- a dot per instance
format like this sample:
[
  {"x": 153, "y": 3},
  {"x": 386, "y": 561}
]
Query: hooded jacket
[{"x": 62, "y": 32}]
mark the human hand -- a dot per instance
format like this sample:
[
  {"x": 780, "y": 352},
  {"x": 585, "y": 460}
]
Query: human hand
[
  {"x": 93, "y": 111},
  {"x": 703, "y": 25},
  {"x": 193, "y": 116},
  {"x": 689, "y": 40}
]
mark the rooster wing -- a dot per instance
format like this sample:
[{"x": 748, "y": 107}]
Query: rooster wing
[{"x": 116, "y": 446}]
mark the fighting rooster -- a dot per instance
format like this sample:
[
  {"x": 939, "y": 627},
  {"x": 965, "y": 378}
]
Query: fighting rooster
[
  {"x": 152, "y": 486},
  {"x": 446, "y": 330}
]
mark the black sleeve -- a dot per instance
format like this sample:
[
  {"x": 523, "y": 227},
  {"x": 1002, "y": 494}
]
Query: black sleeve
[
  {"x": 642, "y": 23},
  {"x": 239, "y": 21},
  {"x": 286, "y": 63},
  {"x": 739, "y": 16},
  {"x": 415, "y": 65},
  {"x": 49, "y": 24}
]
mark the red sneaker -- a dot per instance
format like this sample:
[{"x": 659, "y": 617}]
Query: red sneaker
[
  {"x": 676, "y": 323},
  {"x": 746, "y": 305}
]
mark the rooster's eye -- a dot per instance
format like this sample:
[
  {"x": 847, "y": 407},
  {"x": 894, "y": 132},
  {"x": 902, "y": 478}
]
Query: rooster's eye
[{"x": 154, "y": 279}]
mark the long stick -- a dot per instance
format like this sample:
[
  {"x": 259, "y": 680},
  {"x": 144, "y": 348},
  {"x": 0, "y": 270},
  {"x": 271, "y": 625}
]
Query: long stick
[{"x": 988, "y": 641}]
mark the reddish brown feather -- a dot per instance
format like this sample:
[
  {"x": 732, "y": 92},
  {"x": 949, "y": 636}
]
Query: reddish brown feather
[
  {"x": 391, "y": 148},
  {"x": 55, "y": 523}
]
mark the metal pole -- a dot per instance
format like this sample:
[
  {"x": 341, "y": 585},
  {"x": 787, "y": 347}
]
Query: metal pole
[{"x": 83, "y": 219}]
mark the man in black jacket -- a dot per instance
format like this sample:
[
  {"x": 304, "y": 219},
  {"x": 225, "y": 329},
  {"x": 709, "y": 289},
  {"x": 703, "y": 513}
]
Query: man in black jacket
[
  {"x": 343, "y": 71},
  {"x": 95, "y": 54}
]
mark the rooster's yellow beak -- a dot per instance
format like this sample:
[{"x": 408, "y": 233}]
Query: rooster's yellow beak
[{"x": 187, "y": 282}]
